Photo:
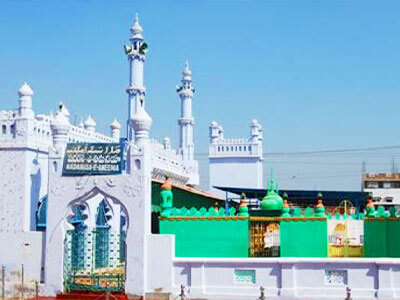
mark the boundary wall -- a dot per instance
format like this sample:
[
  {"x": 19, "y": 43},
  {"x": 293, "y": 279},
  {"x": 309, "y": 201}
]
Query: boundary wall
[{"x": 282, "y": 278}]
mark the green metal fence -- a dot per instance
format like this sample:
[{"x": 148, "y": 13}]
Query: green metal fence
[{"x": 94, "y": 260}]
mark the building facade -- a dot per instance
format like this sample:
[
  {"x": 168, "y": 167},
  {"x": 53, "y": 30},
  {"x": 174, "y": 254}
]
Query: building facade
[
  {"x": 242, "y": 159},
  {"x": 384, "y": 187}
]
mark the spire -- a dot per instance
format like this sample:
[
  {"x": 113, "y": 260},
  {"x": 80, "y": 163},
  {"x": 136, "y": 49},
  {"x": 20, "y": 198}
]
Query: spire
[
  {"x": 136, "y": 53},
  {"x": 186, "y": 120},
  {"x": 90, "y": 124},
  {"x": 187, "y": 73},
  {"x": 136, "y": 29}
]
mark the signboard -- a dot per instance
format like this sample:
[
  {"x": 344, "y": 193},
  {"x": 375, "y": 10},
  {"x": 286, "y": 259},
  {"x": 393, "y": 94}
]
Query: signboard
[{"x": 92, "y": 159}]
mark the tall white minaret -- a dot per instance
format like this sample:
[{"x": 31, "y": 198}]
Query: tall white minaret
[
  {"x": 136, "y": 53},
  {"x": 186, "y": 121}
]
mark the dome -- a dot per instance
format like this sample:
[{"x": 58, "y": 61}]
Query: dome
[
  {"x": 63, "y": 110},
  {"x": 115, "y": 124},
  {"x": 272, "y": 201},
  {"x": 90, "y": 122},
  {"x": 254, "y": 122},
  {"x": 25, "y": 90},
  {"x": 62, "y": 116},
  {"x": 141, "y": 120}
]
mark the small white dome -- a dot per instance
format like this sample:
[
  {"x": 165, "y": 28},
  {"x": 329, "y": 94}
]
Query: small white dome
[
  {"x": 115, "y": 124},
  {"x": 166, "y": 140},
  {"x": 213, "y": 124},
  {"x": 63, "y": 110},
  {"x": 90, "y": 122},
  {"x": 141, "y": 120},
  {"x": 25, "y": 90},
  {"x": 254, "y": 122}
]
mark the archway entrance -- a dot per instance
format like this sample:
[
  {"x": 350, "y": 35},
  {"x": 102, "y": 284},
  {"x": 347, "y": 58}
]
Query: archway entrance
[{"x": 94, "y": 245}]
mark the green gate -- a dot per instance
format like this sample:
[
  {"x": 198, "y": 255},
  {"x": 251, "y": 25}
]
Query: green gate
[{"x": 93, "y": 260}]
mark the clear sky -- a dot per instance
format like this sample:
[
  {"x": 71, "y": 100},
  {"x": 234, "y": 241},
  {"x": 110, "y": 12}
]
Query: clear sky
[{"x": 318, "y": 75}]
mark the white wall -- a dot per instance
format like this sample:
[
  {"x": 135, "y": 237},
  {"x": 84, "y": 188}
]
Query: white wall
[
  {"x": 286, "y": 278},
  {"x": 383, "y": 194},
  {"x": 17, "y": 250},
  {"x": 235, "y": 172}
]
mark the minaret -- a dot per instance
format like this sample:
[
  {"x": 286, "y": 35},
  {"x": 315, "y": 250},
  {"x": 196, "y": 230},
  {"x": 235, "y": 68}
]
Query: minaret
[
  {"x": 25, "y": 101},
  {"x": 115, "y": 130},
  {"x": 186, "y": 121},
  {"x": 90, "y": 124},
  {"x": 136, "y": 53},
  {"x": 60, "y": 128}
]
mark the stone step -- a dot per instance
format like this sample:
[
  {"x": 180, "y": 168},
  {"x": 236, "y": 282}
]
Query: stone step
[{"x": 90, "y": 296}]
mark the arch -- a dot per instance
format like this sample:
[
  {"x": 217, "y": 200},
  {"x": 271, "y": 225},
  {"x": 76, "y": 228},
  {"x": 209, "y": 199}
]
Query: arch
[
  {"x": 4, "y": 129},
  {"x": 96, "y": 228}
]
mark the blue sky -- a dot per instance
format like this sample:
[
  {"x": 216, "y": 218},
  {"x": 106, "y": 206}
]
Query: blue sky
[{"x": 316, "y": 74}]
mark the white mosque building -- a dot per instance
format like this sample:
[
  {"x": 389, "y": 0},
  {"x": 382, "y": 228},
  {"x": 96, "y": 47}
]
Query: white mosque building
[
  {"x": 26, "y": 137},
  {"x": 32, "y": 147}
]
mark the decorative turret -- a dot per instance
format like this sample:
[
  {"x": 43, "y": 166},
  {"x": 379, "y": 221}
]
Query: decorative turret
[
  {"x": 166, "y": 198},
  {"x": 60, "y": 127},
  {"x": 25, "y": 101},
  {"x": 136, "y": 53},
  {"x": 285, "y": 207},
  {"x": 255, "y": 131},
  {"x": 319, "y": 210},
  {"x": 214, "y": 132},
  {"x": 186, "y": 120},
  {"x": 81, "y": 125},
  {"x": 272, "y": 201},
  {"x": 115, "y": 130},
  {"x": 220, "y": 132},
  {"x": 243, "y": 209},
  {"x": 370, "y": 207},
  {"x": 141, "y": 124},
  {"x": 90, "y": 124},
  {"x": 167, "y": 143}
]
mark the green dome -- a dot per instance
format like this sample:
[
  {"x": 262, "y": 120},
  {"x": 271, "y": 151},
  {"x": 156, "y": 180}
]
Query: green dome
[{"x": 272, "y": 201}]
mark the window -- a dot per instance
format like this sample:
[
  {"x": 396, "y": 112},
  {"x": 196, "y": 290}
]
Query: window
[
  {"x": 388, "y": 199},
  {"x": 4, "y": 129}
]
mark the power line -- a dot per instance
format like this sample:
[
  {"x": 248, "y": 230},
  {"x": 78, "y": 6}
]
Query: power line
[{"x": 328, "y": 151}]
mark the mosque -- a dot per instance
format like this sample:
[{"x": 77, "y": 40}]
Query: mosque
[{"x": 76, "y": 212}]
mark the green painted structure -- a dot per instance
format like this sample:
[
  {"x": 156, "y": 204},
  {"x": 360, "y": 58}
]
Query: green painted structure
[
  {"x": 181, "y": 198},
  {"x": 381, "y": 237},
  {"x": 304, "y": 237},
  {"x": 208, "y": 236}
]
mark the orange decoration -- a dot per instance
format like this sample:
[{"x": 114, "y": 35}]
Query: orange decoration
[
  {"x": 320, "y": 204},
  {"x": 285, "y": 203},
  {"x": 166, "y": 185},
  {"x": 369, "y": 203}
]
